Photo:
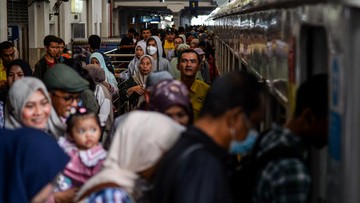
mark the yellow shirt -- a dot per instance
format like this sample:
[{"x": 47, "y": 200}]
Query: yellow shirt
[
  {"x": 2, "y": 71},
  {"x": 198, "y": 92},
  {"x": 168, "y": 46}
]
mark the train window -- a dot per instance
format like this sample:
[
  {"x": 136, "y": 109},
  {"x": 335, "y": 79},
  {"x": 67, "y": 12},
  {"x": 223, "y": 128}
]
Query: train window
[{"x": 314, "y": 51}]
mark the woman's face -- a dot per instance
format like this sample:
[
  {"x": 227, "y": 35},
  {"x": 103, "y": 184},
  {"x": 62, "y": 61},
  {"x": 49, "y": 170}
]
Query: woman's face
[
  {"x": 139, "y": 52},
  {"x": 36, "y": 111},
  {"x": 145, "y": 66},
  {"x": 95, "y": 61},
  {"x": 15, "y": 73},
  {"x": 178, "y": 114}
]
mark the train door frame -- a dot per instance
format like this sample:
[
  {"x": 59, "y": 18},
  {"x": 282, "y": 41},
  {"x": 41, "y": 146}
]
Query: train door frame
[{"x": 314, "y": 59}]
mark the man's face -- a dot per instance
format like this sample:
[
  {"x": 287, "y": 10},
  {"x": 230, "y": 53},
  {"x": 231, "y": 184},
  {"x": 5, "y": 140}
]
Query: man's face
[
  {"x": 53, "y": 49},
  {"x": 8, "y": 55},
  {"x": 177, "y": 42},
  {"x": 130, "y": 34},
  {"x": 170, "y": 36},
  {"x": 61, "y": 48},
  {"x": 146, "y": 34},
  {"x": 63, "y": 101},
  {"x": 188, "y": 64}
]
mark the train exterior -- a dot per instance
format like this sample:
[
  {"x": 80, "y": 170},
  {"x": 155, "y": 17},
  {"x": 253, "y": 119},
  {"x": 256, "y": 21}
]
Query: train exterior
[{"x": 284, "y": 42}]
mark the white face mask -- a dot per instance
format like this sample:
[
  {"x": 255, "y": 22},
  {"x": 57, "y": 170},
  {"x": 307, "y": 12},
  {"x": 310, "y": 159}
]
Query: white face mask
[{"x": 151, "y": 50}]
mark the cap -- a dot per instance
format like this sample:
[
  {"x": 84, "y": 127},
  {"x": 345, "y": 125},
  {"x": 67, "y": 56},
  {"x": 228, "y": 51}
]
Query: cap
[
  {"x": 170, "y": 30},
  {"x": 62, "y": 77},
  {"x": 199, "y": 51},
  {"x": 183, "y": 47}
]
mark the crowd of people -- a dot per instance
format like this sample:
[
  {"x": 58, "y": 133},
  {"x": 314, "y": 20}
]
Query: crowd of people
[{"x": 167, "y": 129}]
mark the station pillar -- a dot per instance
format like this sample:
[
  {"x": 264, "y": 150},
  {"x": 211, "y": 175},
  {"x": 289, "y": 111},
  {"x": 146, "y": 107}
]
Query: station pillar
[
  {"x": 3, "y": 21},
  {"x": 38, "y": 29},
  {"x": 176, "y": 11}
]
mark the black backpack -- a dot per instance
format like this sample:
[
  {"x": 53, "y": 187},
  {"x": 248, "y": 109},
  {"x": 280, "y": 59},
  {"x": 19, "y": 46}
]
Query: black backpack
[{"x": 244, "y": 179}]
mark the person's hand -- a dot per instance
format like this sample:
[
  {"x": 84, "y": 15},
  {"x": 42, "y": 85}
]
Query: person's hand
[
  {"x": 139, "y": 89},
  {"x": 2, "y": 84},
  {"x": 65, "y": 196}
]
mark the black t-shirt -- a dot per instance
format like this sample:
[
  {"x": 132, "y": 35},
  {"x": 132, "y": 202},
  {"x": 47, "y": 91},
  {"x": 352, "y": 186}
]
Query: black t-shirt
[
  {"x": 201, "y": 177},
  {"x": 127, "y": 41}
]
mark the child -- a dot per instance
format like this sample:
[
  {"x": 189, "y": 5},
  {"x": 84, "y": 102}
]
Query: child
[{"x": 82, "y": 145}]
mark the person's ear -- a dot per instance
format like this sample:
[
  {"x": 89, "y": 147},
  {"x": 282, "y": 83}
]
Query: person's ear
[
  {"x": 308, "y": 116},
  {"x": 232, "y": 116}
]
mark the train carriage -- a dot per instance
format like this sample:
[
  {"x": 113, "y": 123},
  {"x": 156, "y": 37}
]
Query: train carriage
[{"x": 285, "y": 42}]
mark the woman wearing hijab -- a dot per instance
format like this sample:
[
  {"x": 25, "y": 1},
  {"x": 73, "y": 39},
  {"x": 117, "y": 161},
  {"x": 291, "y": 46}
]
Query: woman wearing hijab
[
  {"x": 171, "y": 97},
  {"x": 132, "y": 159},
  {"x": 29, "y": 105},
  {"x": 97, "y": 59},
  {"x": 103, "y": 97},
  {"x": 133, "y": 89},
  {"x": 140, "y": 50},
  {"x": 30, "y": 161}
]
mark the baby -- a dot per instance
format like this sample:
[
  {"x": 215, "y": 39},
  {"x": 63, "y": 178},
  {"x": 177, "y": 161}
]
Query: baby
[{"x": 82, "y": 145}]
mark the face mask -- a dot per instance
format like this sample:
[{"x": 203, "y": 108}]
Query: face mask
[
  {"x": 245, "y": 146},
  {"x": 151, "y": 50}
]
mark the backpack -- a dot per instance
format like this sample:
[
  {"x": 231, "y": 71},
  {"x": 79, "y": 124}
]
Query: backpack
[{"x": 244, "y": 179}]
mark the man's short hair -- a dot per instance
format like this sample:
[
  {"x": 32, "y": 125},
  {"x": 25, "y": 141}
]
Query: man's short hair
[
  {"x": 61, "y": 41},
  {"x": 144, "y": 30},
  {"x": 188, "y": 51},
  {"x": 313, "y": 94},
  {"x": 50, "y": 38},
  {"x": 5, "y": 45},
  {"x": 94, "y": 42},
  {"x": 236, "y": 89},
  {"x": 131, "y": 30}
]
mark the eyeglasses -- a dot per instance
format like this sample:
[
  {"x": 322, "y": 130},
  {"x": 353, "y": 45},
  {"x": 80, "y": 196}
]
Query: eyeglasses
[{"x": 69, "y": 98}]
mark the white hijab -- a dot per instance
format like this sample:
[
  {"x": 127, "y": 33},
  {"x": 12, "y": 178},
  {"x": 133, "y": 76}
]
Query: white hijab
[
  {"x": 19, "y": 94},
  {"x": 135, "y": 149}
]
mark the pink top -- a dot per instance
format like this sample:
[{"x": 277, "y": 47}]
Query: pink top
[{"x": 84, "y": 163}]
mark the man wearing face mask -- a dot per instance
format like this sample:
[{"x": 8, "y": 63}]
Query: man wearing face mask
[
  {"x": 154, "y": 49},
  {"x": 197, "y": 167}
]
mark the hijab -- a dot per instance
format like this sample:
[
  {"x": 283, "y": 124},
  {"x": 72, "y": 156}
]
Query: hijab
[
  {"x": 23, "y": 65},
  {"x": 110, "y": 78},
  {"x": 135, "y": 149},
  {"x": 96, "y": 74},
  {"x": 139, "y": 78},
  {"x": 168, "y": 93},
  {"x": 19, "y": 94},
  {"x": 30, "y": 159}
]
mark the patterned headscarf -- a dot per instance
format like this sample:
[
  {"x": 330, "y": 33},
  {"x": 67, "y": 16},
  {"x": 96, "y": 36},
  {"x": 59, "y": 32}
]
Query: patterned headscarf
[{"x": 170, "y": 93}]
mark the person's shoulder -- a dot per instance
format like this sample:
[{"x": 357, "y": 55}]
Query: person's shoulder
[
  {"x": 41, "y": 61},
  {"x": 201, "y": 85}
]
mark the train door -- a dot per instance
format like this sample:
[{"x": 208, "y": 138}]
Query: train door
[
  {"x": 314, "y": 60},
  {"x": 344, "y": 141}
]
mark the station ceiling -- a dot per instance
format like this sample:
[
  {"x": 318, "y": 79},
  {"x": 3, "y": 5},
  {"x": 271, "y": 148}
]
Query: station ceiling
[{"x": 161, "y": 8}]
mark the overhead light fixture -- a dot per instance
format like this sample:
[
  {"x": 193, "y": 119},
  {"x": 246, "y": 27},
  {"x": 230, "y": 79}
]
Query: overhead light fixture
[{"x": 77, "y": 6}]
